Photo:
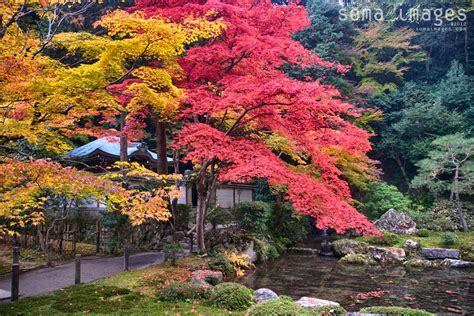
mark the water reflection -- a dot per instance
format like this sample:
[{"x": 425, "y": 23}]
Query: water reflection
[{"x": 436, "y": 290}]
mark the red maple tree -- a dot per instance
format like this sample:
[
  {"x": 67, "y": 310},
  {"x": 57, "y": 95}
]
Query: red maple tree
[{"x": 239, "y": 98}]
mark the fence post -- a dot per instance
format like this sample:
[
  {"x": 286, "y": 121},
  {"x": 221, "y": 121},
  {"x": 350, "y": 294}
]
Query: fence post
[
  {"x": 77, "y": 277},
  {"x": 15, "y": 274},
  {"x": 126, "y": 257},
  {"x": 97, "y": 240},
  {"x": 49, "y": 249},
  {"x": 74, "y": 240}
]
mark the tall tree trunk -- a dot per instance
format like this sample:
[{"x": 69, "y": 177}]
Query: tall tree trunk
[
  {"x": 162, "y": 159},
  {"x": 402, "y": 169},
  {"x": 462, "y": 218},
  {"x": 123, "y": 137},
  {"x": 206, "y": 186},
  {"x": 176, "y": 216},
  {"x": 200, "y": 215}
]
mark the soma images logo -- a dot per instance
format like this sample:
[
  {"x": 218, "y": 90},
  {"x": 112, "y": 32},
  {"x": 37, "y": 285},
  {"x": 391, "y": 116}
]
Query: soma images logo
[{"x": 412, "y": 15}]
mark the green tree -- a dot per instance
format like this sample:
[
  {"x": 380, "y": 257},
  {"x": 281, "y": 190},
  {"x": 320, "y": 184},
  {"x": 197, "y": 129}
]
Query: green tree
[
  {"x": 382, "y": 56},
  {"x": 381, "y": 197},
  {"x": 449, "y": 168}
]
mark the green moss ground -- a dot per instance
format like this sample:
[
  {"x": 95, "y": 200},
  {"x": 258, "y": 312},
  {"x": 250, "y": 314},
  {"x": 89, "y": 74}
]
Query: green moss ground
[
  {"x": 127, "y": 293},
  {"x": 434, "y": 240}
]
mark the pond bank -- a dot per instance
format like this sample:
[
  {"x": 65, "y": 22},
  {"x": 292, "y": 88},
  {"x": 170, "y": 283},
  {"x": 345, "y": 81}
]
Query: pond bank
[{"x": 354, "y": 287}]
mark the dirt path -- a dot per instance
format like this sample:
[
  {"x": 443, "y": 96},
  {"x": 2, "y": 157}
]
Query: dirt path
[{"x": 46, "y": 280}]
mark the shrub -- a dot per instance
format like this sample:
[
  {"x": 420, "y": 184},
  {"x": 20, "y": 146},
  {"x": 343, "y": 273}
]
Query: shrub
[
  {"x": 449, "y": 238},
  {"x": 395, "y": 310},
  {"x": 213, "y": 280},
  {"x": 182, "y": 291},
  {"x": 233, "y": 296},
  {"x": 286, "y": 298},
  {"x": 326, "y": 310},
  {"x": 265, "y": 250},
  {"x": 239, "y": 262},
  {"x": 440, "y": 217},
  {"x": 219, "y": 216},
  {"x": 222, "y": 264},
  {"x": 381, "y": 197},
  {"x": 424, "y": 232},
  {"x": 172, "y": 251},
  {"x": 287, "y": 225},
  {"x": 387, "y": 239},
  {"x": 276, "y": 307},
  {"x": 253, "y": 216},
  {"x": 182, "y": 218}
]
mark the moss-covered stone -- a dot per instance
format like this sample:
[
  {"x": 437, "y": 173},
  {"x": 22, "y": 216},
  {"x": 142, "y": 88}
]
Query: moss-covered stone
[
  {"x": 421, "y": 263},
  {"x": 356, "y": 258},
  {"x": 287, "y": 307},
  {"x": 344, "y": 247}
]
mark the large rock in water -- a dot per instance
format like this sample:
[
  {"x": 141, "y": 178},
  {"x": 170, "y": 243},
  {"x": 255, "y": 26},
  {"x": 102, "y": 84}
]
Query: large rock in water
[
  {"x": 453, "y": 263},
  {"x": 344, "y": 247},
  {"x": 411, "y": 247},
  {"x": 439, "y": 253},
  {"x": 264, "y": 295},
  {"x": 396, "y": 222},
  {"x": 387, "y": 254},
  {"x": 312, "y": 302}
]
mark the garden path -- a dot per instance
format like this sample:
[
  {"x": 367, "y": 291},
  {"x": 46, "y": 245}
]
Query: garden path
[{"x": 41, "y": 281}]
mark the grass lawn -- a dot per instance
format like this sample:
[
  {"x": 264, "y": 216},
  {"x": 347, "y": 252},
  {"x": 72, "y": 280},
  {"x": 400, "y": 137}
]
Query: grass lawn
[
  {"x": 130, "y": 293},
  {"x": 97, "y": 299}
]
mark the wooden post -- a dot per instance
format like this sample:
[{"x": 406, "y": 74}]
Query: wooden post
[
  {"x": 126, "y": 257},
  {"x": 74, "y": 239},
  {"x": 49, "y": 249},
  {"x": 97, "y": 238},
  {"x": 77, "y": 277},
  {"x": 15, "y": 274}
]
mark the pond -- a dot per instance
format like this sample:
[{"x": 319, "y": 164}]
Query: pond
[{"x": 435, "y": 290}]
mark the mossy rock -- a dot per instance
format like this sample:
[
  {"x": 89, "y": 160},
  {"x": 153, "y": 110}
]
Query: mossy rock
[
  {"x": 286, "y": 307},
  {"x": 344, "y": 247},
  {"x": 326, "y": 310},
  {"x": 395, "y": 310},
  {"x": 276, "y": 307},
  {"x": 421, "y": 263},
  {"x": 356, "y": 258}
]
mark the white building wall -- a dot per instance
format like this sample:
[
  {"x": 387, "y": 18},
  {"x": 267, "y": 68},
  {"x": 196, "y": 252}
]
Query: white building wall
[{"x": 225, "y": 197}]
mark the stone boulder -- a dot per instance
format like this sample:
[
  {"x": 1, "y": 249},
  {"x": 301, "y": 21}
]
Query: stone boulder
[
  {"x": 199, "y": 277},
  {"x": 453, "y": 263},
  {"x": 421, "y": 263},
  {"x": 250, "y": 252},
  {"x": 356, "y": 258},
  {"x": 396, "y": 222},
  {"x": 411, "y": 247},
  {"x": 264, "y": 295},
  {"x": 387, "y": 255},
  {"x": 439, "y": 253},
  {"x": 344, "y": 247},
  {"x": 311, "y": 302}
]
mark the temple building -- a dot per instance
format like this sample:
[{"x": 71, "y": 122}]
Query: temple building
[{"x": 101, "y": 153}]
